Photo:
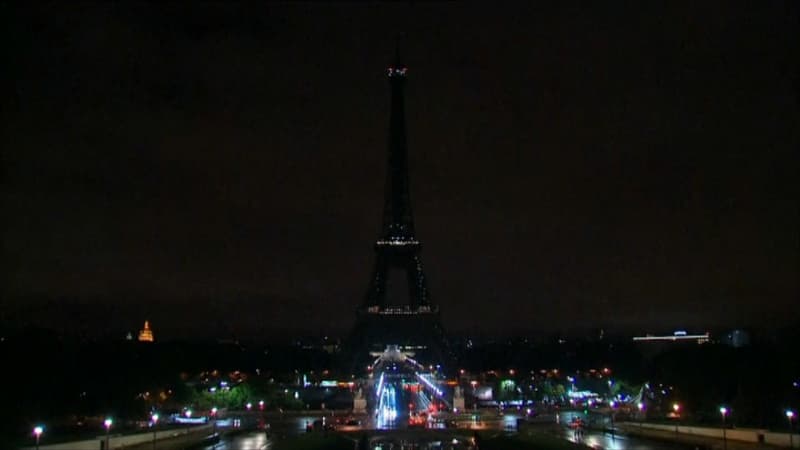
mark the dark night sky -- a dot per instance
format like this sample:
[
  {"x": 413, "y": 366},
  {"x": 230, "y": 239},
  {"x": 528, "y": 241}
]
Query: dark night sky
[{"x": 219, "y": 168}]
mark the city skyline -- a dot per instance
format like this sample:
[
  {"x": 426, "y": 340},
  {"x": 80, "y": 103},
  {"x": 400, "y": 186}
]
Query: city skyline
[{"x": 221, "y": 169}]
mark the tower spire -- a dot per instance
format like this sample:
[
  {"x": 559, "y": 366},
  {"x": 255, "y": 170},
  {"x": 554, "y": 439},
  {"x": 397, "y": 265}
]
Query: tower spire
[
  {"x": 398, "y": 246},
  {"x": 398, "y": 222},
  {"x": 397, "y": 58}
]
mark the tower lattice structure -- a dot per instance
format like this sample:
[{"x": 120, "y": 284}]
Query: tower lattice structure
[{"x": 411, "y": 320}]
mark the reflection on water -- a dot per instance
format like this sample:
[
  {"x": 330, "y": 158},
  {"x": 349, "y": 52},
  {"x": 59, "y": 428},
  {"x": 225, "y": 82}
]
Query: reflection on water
[
  {"x": 421, "y": 439},
  {"x": 609, "y": 441},
  {"x": 400, "y": 444}
]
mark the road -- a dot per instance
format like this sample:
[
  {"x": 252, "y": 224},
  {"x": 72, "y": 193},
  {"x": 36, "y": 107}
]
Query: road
[
  {"x": 293, "y": 426},
  {"x": 600, "y": 440},
  {"x": 391, "y": 422},
  {"x": 611, "y": 441},
  {"x": 259, "y": 441},
  {"x": 256, "y": 440},
  {"x": 280, "y": 428}
]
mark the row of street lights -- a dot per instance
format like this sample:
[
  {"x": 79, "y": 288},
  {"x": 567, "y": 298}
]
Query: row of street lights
[
  {"x": 249, "y": 405},
  {"x": 38, "y": 430},
  {"x": 723, "y": 411},
  {"x": 676, "y": 407},
  {"x": 154, "y": 421}
]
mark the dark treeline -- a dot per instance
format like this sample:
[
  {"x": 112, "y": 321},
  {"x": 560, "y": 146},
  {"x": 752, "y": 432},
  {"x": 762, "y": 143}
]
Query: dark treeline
[
  {"x": 46, "y": 375},
  {"x": 757, "y": 382}
]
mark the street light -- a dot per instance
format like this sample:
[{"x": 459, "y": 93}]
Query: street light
[
  {"x": 107, "y": 423},
  {"x": 37, "y": 431},
  {"x": 154, "y": 419},
  {"x": 724, "y": 411},
  {"x": 613, "y": 405},
  {"x": 676, "y": 408},
  {"x": 790, "y": 417},
  {"x": 640, "y": 405},
  {"x": 214, "y": 421}
]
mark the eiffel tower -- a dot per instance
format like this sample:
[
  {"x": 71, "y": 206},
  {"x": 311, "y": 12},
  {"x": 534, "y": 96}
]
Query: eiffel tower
[{"x": 397, "y": 308}]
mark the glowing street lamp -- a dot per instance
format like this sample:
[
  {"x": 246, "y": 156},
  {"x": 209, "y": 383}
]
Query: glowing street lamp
[
  {"x": 640, "y": 405},
  {"x": 676, "y": 408},
  {"x": 724, "y": 412},
  {"x": 613, "y": 406},
  {"x": 790, "y": 418},
  {"x": 214, "y": 421},
  {"x": 107, "y": 423},
  {"x": 154, "y": 419},
  {"x": 249, "y": 406},
  {"x": 261, "y": 405},
  {"x": 37, "y": 431}
]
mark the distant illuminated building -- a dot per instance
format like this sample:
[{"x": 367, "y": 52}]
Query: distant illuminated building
[
  {"x": 146, "y": 334},
  {"x": 678, "y": 336}
]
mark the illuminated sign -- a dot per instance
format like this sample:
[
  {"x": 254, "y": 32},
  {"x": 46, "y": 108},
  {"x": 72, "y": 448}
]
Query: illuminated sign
[{"x": 191, "y": 420}]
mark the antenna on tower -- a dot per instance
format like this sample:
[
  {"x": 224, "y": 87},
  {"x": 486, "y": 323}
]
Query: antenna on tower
[
  {"x": 397, "y": 59},
  {"x": 397, "y": 70}
]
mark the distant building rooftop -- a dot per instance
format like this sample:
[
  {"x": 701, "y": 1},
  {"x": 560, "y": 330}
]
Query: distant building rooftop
[{"x": 678, "y": 336}]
